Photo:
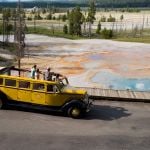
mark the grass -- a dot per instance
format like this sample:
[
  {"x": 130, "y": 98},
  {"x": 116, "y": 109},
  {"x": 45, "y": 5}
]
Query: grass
[
  {"x": 128, "y": 37},
  {"x": 134, "y": 39},
  {"x": 5, "y": 62},
  {"x": 59, "y": 33},
  {"x": 49, "y": 32},
  {"x": 8, "y": 46},
  {"x": 122, "y": 36}
]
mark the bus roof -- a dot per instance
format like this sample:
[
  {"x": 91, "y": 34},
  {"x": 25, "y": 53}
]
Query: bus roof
[{"x": 27, "y": 79}]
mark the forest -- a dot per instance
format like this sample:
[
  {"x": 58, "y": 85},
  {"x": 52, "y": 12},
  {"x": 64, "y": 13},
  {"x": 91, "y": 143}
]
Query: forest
[{"x": 82, "y": 3}]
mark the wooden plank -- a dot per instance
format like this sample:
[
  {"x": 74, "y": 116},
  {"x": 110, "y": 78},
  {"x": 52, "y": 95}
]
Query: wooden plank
[
  {"x": 110, "y": 93},
  {"x": 132, "y": 95},
  {"x": 90, "y": 91},
  {"x": 118, "y": 94},
  {"x": 115, "y": 94},
  {"x": 122, "y": 94},
  {"x": 96, "y": 93},
  {"x": 100, "y": 92},
  {"x": 105, "y": 91},
  {"x": 126, "y": 94},
  {"x": 138, "y": 95},
  {"x": 146, "y": 95}
]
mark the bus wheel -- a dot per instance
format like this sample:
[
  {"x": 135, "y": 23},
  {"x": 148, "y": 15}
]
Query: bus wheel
[
  {"x": 1, "y": 103},
  {"x": 74, "y": 112}
]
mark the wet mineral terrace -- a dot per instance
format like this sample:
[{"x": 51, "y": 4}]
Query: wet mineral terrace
[{"x": 93, "y": 62}]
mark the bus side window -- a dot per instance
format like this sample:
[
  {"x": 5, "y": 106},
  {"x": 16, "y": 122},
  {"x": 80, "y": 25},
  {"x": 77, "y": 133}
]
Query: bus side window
[
  {"x": 52, "y": 88},
  {"x": 9, "y": 82},
  {"x": 1, "y": 81},
  {"x": 38, "y": 86},
  {"x": 24, "y": 84}
]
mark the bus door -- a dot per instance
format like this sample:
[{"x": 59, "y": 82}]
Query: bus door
[
  {"x": 24, "y": 91},
  {"x": 38, "y": 93},
  {"x": 54, "y": 97}
]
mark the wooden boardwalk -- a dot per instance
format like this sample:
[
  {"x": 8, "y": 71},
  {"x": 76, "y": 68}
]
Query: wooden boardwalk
[{"x": 122, "y": 95}]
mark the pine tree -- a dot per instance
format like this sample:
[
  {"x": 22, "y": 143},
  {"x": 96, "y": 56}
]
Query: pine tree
[
  {"x": 71, "y": 30},
  {"x": 65, "y": 29},
  {"x": 121, "y": 17},
  {"x": 49, "y": 16},
  {"x": 91, "y": 15},
  {"x": 75, "y": 21},
  {"x": 98, "y": 28}
]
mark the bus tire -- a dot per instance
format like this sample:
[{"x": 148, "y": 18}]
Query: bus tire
[{"x": 75, "y": 112}]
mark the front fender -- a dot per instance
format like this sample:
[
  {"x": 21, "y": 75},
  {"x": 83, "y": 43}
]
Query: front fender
[
  {"x": 3, "y": 97},
  {"x": 75, "y": 103}
]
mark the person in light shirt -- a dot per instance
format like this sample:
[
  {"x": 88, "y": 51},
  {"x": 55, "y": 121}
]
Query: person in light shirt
[
  {"x": 37, "y": 74},
  {"x": 33, "y": 70}
]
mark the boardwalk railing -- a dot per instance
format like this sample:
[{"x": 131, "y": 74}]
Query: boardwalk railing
[{"x": 124, "y": 95}]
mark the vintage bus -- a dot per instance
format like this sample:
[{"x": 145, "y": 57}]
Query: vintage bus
[{"x": 41, "y": 94}]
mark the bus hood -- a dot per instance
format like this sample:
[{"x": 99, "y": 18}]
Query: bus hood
[{"x": 73, "y": 90}]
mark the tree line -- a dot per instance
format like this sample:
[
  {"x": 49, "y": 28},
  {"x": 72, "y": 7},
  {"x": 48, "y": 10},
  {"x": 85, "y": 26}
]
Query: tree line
[
  {"x": 82, "y": 3},
  {"x": 119, "y": 3},
  {"x": 77, "y": 22}
]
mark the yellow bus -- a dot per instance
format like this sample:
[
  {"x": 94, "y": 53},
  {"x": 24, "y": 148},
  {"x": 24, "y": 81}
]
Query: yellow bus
[{"x": 49, "y": 95}]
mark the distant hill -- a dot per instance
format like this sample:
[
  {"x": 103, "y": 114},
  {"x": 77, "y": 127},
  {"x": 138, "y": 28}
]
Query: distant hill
[{"x": 83, "y": 3}]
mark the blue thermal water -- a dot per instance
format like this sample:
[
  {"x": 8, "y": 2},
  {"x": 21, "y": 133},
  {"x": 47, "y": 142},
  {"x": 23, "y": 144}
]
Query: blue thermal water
[{"x": 114, "y": 81}]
